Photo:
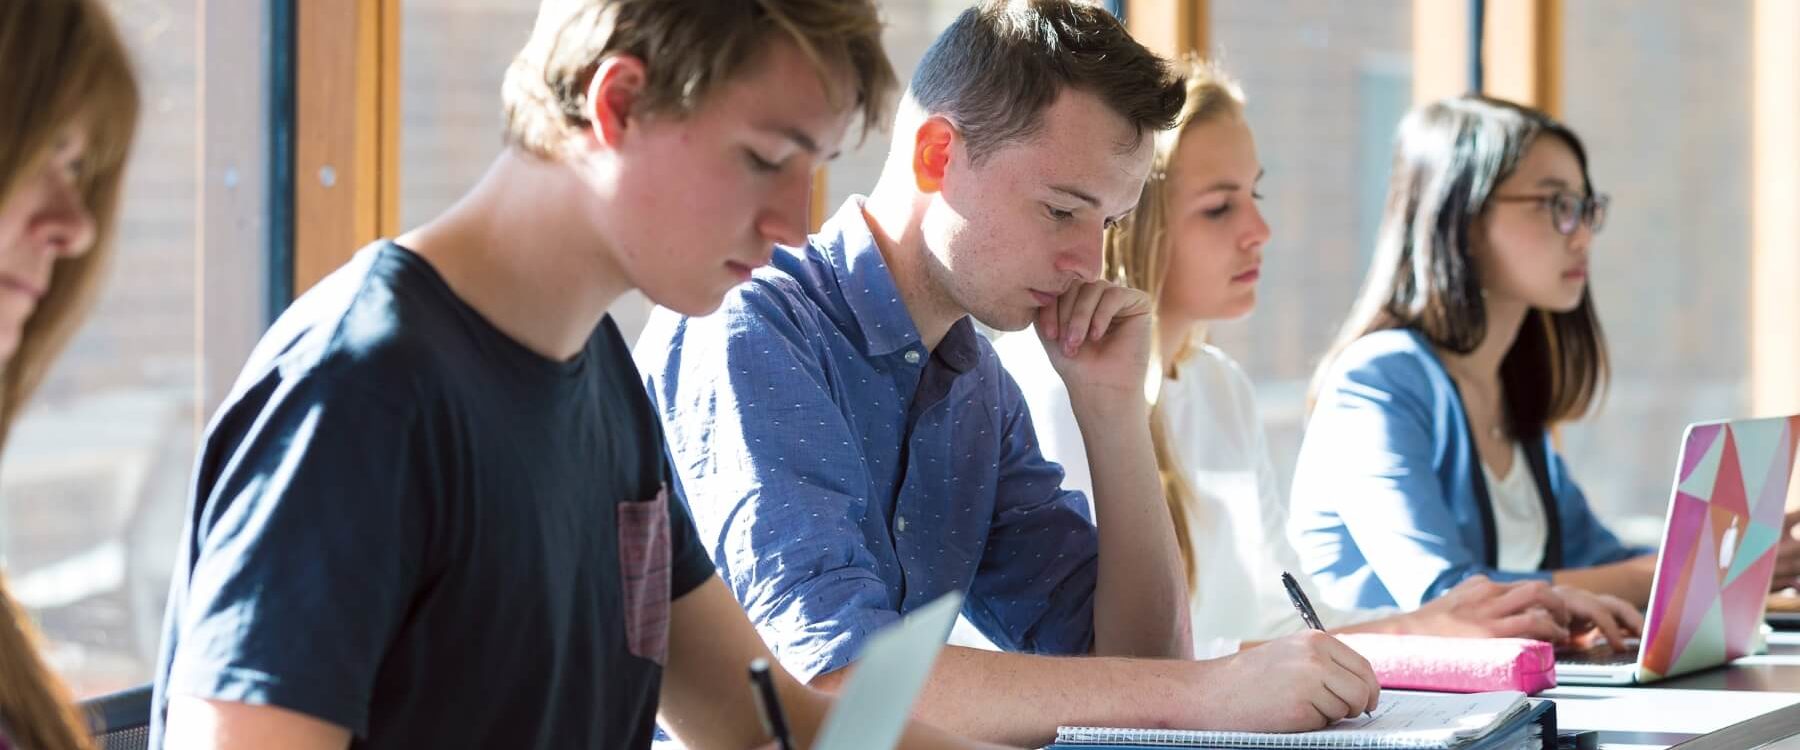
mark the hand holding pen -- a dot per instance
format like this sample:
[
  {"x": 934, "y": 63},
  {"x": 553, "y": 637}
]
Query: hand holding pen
[
  {"x": 768, "y": 704},
  {"x": 1304, "y": 605}
]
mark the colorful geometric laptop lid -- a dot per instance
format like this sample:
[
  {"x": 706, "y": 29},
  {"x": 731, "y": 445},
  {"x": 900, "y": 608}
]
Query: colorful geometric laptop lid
[{"x": 1718, "y": 553}]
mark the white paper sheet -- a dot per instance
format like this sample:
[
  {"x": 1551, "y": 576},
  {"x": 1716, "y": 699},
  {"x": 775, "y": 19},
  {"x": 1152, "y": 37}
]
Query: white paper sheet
[
  {"x": 1660, "y": 710},
  {"x": 1404, "y": 719},
  {"x": 1783, "y": 638},
  {"x": 1779, "y": 660},
  {"x": 871, "y": 710}
]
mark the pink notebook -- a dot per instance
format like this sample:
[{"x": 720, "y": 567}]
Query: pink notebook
[{"x": 1457, "y": 665}]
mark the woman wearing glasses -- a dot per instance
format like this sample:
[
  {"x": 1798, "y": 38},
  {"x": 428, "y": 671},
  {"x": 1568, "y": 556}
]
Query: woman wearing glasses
[{"x": 1428, "y": 457}]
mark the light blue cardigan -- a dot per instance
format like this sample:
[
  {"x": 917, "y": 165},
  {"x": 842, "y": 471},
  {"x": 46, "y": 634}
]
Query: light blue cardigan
[{"x": 1386, "y": 506}]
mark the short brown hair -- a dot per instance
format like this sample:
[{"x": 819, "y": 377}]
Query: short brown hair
[
  {"x": 690, "y": 47},
  {"x": 1003, "y": 62}
]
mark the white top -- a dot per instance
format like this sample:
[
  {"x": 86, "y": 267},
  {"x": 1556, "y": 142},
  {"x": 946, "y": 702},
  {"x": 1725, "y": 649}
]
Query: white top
[
  {"x": 1519, "y": 524},
  {"x": 1239, "y": 527}
]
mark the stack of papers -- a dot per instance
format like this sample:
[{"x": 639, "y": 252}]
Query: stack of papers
[{"x": 1431, "y": 721}]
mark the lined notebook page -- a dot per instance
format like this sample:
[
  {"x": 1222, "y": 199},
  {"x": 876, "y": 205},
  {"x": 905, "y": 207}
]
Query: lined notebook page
[{"x": 1404, "y": 720}]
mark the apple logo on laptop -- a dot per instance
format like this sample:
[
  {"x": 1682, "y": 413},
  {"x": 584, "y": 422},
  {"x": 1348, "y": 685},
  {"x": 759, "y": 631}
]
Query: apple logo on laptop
[{"x": 1728, "y": 544}]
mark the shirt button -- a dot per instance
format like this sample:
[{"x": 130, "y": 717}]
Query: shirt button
[
  {"x": 912, "y": 356},
  {"x": 900, "y": 524}
]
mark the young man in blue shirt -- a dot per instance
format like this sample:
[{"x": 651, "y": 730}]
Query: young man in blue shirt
[
  {"x": 433, "y": 511},
  {"x": 850, "y": 447}
]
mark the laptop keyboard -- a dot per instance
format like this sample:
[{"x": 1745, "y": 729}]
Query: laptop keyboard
[{"x": 1598, "y": 658}]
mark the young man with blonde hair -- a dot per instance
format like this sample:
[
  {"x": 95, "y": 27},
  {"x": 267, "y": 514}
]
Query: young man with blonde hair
[
  {"x": 851, "y": 448},
  {"x": 433, "y": 511}
]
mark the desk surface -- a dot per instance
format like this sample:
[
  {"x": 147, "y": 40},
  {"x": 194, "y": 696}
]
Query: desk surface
[
  {"x": 1779, "y": 670},
  {"x": 1776, "y": 672}
]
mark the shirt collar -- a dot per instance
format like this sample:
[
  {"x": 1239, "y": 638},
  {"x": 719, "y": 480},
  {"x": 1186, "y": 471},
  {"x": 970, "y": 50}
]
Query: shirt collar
[
  {"x": 863, "y": 278},
  {"x": 960, "y": 349}
]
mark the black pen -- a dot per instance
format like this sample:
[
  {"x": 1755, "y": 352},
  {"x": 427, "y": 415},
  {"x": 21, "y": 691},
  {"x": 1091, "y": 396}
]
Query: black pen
[
  {"x": 1298, "y": 597},
  {"x": 768, "y": 704}
]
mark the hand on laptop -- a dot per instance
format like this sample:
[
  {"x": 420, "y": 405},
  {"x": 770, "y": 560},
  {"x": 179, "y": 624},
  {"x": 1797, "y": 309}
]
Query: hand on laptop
[
  {"x": 1594, "y": 616},
  {"x": 1480, "y": 608},
  {"x": 1787, "y": 555},
  {"x": 1298, "y": 683}
]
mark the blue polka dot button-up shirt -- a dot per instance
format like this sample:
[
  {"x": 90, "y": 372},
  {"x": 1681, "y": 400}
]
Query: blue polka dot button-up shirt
[{"x": 842, "y": 475}]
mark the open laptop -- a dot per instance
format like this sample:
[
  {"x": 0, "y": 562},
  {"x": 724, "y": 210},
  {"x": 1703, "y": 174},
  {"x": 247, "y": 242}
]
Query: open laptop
[
  {"x": 871, "y": 711},
  {"x": 1717, "y": 556}
]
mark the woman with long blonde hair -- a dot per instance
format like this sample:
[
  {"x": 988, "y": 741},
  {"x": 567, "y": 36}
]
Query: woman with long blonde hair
[
  {"x": 68, "y": 109},
  {"x": 1195, "y": 244}
]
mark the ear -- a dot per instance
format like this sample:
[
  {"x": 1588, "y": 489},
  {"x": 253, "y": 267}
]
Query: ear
[
  {"x": 931, "y": 153},
  {"x": 1478, "y": 228},
  {"x": 612, "y": 97}
]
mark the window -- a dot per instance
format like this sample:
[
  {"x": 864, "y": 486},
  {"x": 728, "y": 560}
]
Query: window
[
  {"x": 95, "y": 478},
  {"x": 912, "y": 25},
  {"x": 453, "y": 59},
  {"x": 1326, "y": 86},
  {"x": 1660, "y": 93}
]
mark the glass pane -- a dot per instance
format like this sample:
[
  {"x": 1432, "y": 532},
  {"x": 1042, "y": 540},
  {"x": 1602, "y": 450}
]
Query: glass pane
[
  {"x": 911, "y": 27},
  {"x": 95, "y": 475},
  {"x": 1660, "y": 92},
  {"x": 1326, "y": 85},
  {"x": 453, "y": 58}
]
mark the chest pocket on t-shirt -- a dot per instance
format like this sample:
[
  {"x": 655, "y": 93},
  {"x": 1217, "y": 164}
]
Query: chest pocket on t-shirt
[{"x": 644, "y": 575}]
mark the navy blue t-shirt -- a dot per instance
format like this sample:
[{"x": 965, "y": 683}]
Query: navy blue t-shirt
[{"x": 407, "y": 524}]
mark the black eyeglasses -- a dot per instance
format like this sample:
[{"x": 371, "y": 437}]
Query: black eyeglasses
[{"x": 1567, "y": 209}]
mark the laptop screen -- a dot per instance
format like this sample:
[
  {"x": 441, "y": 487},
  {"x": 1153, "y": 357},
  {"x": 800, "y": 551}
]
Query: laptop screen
[{"x": 1719, "y": 544}]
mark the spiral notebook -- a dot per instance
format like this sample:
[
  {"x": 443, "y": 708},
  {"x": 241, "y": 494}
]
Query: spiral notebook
[{"x": 1431, "y": 721}]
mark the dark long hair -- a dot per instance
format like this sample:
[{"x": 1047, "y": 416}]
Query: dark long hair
[{"x": 1450, "y": 157}]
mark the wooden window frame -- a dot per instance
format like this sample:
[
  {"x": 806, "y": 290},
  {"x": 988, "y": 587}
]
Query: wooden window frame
[
  {"x": 816, "y": 202},
  {"x": 346, "y": 131},
  {"x": 1521, "y": 56},
  {"x": 1171, "y": 28},
  {"x": 1440, "y": 49},
  {"x": 1522, "y": 59}
]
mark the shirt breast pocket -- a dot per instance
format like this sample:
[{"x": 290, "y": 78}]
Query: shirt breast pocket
[{"x": 644, "y": 576}]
